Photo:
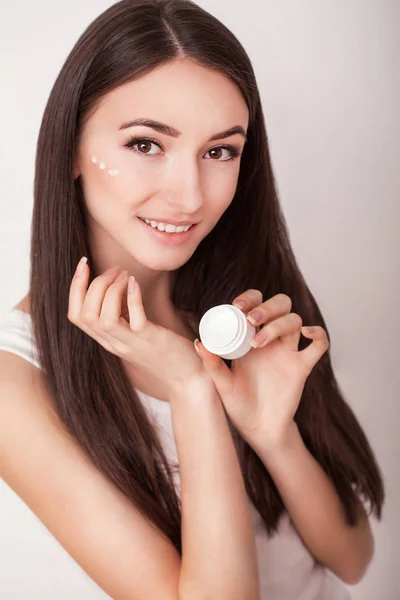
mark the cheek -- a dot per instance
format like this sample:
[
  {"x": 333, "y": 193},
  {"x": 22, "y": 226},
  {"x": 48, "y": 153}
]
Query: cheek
[
  {"x": 116, "y": 178},
  {"x": 221, "y": 188}
]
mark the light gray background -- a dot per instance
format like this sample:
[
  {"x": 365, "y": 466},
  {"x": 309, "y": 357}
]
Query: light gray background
[{"x": 328, "y": 75}]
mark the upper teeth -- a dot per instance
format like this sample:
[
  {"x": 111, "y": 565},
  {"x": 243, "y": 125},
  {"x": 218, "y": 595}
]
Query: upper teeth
[{"x": 167, "y": 226}]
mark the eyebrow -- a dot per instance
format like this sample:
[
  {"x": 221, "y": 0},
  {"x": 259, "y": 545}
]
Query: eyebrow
[{"x": 172, "y": 132}]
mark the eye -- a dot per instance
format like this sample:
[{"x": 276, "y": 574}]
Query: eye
[
  {"x": 233, "y": 152},
  {"x": 141, "y": 142}
]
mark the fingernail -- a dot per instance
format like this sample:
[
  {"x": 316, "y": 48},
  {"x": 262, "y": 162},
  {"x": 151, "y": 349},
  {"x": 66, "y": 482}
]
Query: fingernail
[
  {"x": 81, "y": 266},
  {"x": 239, "y": 305},
  {"x": 259, "y": 339},
  {"x": 131, "y": 284},
  {"x": 254, "y": 317},
  {"x": 309, "y": 329},
  {"x": 196, "y": 342}
]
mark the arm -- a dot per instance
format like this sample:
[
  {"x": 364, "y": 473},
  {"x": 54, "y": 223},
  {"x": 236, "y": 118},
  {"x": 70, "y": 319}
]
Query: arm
[
  {"x": 218, "y": 545},
  {"x": 96, "y": 524},
  {"x": 315, "y": 508}
]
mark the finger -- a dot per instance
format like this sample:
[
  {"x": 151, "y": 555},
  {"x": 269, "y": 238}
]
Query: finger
[
  {"x": 78, "y": 290},
  {"x": 137, "y": 315},
  {"x": 216, "y": 368},
  {"x": 277, "y": 306},
  {"x": 317, "y": 348},
  {"x": 289, "y": 325},
  {"x": 210, "y": 360},
  {"x": 77, "y": 294},
  {"x": 248, "y": 300},
  {"x": 110, "y": 313},
  {"x": 291, "y": 340},
  {"x": 112, "y": 325},
  {"x": 90, "y": 315},
  {"x": 120, "y": 333},
  {"x": 94, "y": 297}
]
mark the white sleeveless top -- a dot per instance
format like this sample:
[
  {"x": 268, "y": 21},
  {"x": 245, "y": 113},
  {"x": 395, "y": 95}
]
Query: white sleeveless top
[{"x": 287, "y": 569}]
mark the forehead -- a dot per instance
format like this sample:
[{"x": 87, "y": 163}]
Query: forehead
[{"x": 181, "y": 93}]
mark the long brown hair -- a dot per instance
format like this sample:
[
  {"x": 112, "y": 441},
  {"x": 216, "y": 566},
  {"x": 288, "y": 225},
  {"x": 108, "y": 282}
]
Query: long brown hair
[{"x": 92, "y": 394}]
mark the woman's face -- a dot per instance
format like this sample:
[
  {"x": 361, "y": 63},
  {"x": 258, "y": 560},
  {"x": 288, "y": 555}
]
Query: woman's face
[{"x": 180, "y": 176}]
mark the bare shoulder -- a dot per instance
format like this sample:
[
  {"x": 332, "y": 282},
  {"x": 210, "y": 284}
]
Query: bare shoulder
[
  {"x": 24, "y": 304},
  {"x": 14, "y": 368},
  {"x": 97, "y": 524}
]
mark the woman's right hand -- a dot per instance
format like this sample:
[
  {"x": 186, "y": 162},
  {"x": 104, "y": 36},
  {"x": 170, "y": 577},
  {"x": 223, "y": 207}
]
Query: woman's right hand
[{"x": 154, "y": 351}]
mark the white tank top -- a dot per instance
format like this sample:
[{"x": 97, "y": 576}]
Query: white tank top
[{"x": 287, "y": 569}]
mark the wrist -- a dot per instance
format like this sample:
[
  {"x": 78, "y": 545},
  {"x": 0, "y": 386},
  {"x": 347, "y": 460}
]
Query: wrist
[
  {"x": 196, "y": 386},
  {"x": 270, "y": 444}
]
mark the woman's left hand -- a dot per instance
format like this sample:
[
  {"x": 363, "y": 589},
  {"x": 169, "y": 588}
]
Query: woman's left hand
[{"x": 263, "y": 388}]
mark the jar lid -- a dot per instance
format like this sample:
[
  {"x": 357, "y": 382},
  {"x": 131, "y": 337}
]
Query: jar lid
[{"x": 221, "y": 327}]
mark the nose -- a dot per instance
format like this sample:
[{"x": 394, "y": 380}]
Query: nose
[{"x": 182, "y": 188}]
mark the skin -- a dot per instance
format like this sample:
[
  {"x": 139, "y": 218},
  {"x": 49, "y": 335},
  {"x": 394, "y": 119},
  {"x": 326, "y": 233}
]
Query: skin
[
  {"x": 261, "y": 394},
  {"x": 181, "y": 180}
]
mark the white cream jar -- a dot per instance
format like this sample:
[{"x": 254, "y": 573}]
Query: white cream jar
[{"x": 225, "y": 331}]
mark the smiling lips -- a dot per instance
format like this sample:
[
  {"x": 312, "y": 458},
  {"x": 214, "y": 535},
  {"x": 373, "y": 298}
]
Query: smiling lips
[
  {"x": 165, "y": 226},
  {"x": 167, "y": 221},
  {"x": 174, "y": 238}
]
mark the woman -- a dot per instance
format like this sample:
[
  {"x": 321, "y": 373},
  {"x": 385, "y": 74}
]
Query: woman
[{"x": 155, "y": 120}]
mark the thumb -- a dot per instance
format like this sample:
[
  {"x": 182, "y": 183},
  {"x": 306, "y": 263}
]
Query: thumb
[
  {"x": 318, "y": 347},
  {"x": 216, "y": 368}
]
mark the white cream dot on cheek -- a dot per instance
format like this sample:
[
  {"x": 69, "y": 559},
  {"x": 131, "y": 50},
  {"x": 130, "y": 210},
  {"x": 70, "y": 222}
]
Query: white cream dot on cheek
[{"x": 102, "y": 166}]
